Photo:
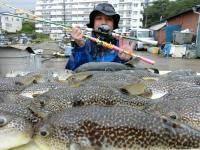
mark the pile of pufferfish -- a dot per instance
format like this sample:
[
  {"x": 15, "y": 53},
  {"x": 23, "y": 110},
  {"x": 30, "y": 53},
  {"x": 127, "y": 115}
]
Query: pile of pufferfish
[{"x": 100, "y": 106}]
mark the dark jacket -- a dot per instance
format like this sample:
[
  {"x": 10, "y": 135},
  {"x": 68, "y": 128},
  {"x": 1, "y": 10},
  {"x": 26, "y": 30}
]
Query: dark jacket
[{"x": 91, "y": 52}]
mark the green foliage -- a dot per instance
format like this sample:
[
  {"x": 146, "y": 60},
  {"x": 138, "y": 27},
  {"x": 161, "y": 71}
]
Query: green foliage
[
  {"x": 28, "y": 27},
  {"x": 39, "y": 37},
  {"x": 165, "y": 9},
  {"x": 154, "y": 12}
]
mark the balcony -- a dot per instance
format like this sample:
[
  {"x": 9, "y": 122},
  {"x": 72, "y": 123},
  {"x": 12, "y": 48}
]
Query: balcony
[
  {"x": 38, "y": 25},
  {"x": 38, "y": 13},
  {"x": 126, "y": 17},
  {"x": 56, "y": 31},
  {"x": 57, "y": 13},
  {"x": 56, "y": 19},
  {"x": 57, "y": 7},
  {"x": 38, "y": 8},
  {"x": 77, "y": 12},
  {"x": 39, "y": 31}
]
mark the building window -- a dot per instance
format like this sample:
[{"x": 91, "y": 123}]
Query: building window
[
  {"x": 8, "y": 25},
  {"x": 129, "y": 7},
  {"x": 134, "y": 20},
  {"x": 134, "y": 12},
  {"x": 6, "y": 18}
]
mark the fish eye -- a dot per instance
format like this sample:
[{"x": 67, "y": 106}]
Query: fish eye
[
  {"x": 42, "y": 103},
  {"x": 44, "y": 133},
  {"x": 78, "y": 103},
  {"x": 3, "y": 121},
  {"x": 173, "y": 115},
  {"x": 35, "y": 81}
]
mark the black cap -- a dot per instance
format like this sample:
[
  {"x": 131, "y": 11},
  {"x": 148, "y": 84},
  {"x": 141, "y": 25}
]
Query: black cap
[{"x": 106, "y": 9}]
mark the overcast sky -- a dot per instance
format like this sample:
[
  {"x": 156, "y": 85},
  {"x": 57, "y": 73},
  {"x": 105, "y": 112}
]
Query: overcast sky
[{"x": 28, "y": 4}]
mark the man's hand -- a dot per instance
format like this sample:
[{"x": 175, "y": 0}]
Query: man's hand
[
  {"x": 77, "y": 35},
  {"x": 125, "y": 45}
]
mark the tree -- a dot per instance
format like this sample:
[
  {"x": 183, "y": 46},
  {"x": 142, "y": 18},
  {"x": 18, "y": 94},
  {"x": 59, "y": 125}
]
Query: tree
[
  {"x": 28, "y": 27},
  {"x": 165, "y": 9},
  {"x": 154, "y": 12}
]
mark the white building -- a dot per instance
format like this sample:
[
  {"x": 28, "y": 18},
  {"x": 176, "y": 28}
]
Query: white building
[
  {"x": 77, "y": 12},
  {"x": 130, "y": 13},
  {"x": 10, "y": 24}
]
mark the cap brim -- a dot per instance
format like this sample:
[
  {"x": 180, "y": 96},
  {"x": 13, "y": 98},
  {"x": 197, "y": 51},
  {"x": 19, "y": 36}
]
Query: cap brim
[{"x": 115, "y": 16}]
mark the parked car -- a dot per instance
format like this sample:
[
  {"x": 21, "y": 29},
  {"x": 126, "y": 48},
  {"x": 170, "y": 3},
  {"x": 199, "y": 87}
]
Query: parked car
[
  {"x": 3, "y": 40},
  {"x": 145, "y": 36}
]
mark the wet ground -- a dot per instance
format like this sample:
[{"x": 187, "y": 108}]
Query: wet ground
[
  {"x": 162, "y": 63},
  {"x": 18, "y": 62}
]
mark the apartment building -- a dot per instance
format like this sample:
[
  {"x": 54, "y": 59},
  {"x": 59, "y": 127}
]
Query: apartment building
[
  {"x": 131, "y": 13},
  {"x": 70, "y": 12},
  {"x": 9, "y": 23}
]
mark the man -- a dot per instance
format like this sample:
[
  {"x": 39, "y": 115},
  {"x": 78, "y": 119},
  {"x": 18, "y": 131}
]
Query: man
[{"x": 102, "y": 17}]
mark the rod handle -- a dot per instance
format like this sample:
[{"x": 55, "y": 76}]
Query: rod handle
[{"x": 149, "y": 61}]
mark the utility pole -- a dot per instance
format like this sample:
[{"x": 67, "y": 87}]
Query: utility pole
[
  {"x": 64, "y": 8},
  {"x": 195, "y": 10},
  {"x": 146, "y": 13}
]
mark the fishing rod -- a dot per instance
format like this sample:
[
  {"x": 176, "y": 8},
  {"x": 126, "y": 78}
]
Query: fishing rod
[
  {"x": 96, "y": 40},
  {"x": 115, "y": 35},
  {"x": 118, "y": 35},
  {"x": 35, "y": 20},
  {"x": 111, "y": 46}
]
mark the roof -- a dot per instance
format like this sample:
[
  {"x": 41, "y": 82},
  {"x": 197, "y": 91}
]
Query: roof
[
  {"x": 140, "y": 29},
  {"x": 197, "y": 7},
  {"x": 183, "y": 12},
  {"x": 5, "y": 12},
  {"x": 158, "y": 26}
]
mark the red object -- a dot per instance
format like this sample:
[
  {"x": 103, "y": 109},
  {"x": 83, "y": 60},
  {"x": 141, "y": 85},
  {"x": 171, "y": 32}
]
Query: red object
[{"x": 111, "y": 46}]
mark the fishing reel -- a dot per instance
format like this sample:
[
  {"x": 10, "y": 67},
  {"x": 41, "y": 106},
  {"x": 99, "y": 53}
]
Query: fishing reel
[
  {"x": 105, "y": 34},
  {"x": 104, "y": 29}
]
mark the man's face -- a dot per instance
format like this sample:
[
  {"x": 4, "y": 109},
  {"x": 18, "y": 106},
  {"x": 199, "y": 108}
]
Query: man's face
[{"x": 103, "y": 19}]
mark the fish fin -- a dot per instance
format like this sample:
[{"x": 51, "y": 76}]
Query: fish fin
[
  {"x": 153, "y": 70},
  {"x": 150, "y": 79},
  {"x": 75, "y": 85},
  {"x": 84, "y": 76},
  {"x": 25, "y": 82},
  {"x": 132, "y": 61},
  {"x": 78, "y": 79},
  {"x": 134, "y": 89},
  {"x": 35, "y": 95},
  {"x": 37, "y": 78},
  {"x": 147, "y": 94}
]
